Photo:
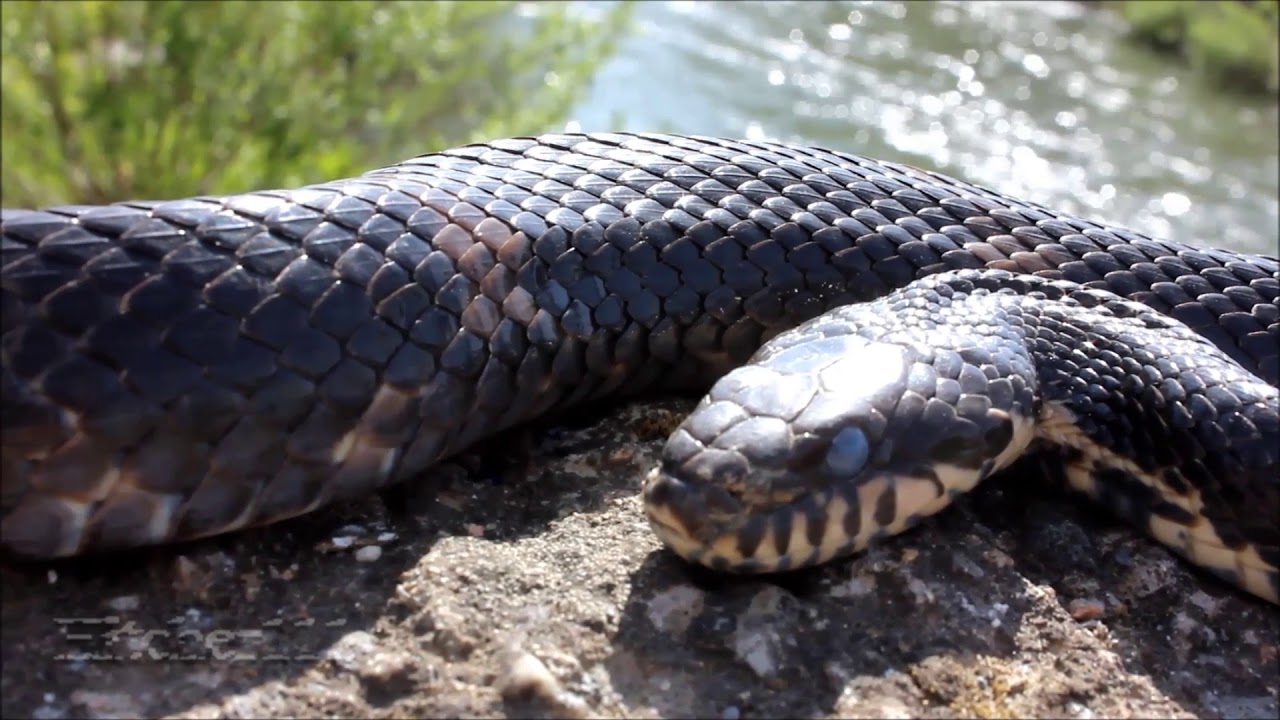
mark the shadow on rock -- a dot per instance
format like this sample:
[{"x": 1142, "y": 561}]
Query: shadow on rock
[
  {"x": 846, "y": 639},
  {"x": 519, "y": 583},
  {"x": 959, "y": 617},
  {"x": 171, "y": 629},
  {"x": 1207, "y": 646}
]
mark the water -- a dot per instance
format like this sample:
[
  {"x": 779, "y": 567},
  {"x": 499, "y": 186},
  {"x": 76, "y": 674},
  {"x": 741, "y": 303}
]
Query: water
[{"x": 1042, "y": 100}]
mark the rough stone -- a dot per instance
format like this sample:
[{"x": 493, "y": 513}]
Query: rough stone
[{"x": 543, "y": 592}]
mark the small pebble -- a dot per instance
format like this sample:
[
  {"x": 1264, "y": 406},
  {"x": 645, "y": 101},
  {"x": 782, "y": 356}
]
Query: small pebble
[
  {"x": 352, "y": 651},
  {"x": 1086, "y": 609},
  {"x": 1079, "y": 711},
  {"x": 368, "y": 553},
  {"x": 187, "y": 575},
  {"x": 123, "y": 603},
  {"x": 622, "y": 455},
  {"x": 526, "y": 676}
]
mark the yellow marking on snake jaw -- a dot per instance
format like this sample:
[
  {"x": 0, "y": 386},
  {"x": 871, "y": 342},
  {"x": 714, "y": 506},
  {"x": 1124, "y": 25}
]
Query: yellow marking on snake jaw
[
  {"x": 726, "y": 544},
  {"x": 1024, "y": 433},
  {"x": 952, "y": 478},
  {"x": 915, "y": 496},
  {"x": 833, "y": 537},
  {"x": 868, "y": 493},
  {"x": 668, "y": 527},
  {"x": 798, "y": 544},
  {"x": 918, "y": 496}
]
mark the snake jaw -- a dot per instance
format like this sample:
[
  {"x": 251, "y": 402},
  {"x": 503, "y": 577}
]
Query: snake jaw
[
  {"x": 790, "y": 517},
  {"x": 810, "y": 530},
  {"x": 707, "y": 525}
]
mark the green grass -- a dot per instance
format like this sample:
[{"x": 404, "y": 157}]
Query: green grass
[
  {"x": 1233, "y": 43},
  {"x": 105, "y": 101}
]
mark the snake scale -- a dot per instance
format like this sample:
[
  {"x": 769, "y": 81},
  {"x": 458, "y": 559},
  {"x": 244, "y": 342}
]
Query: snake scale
[{"x": 877, "y": 339}]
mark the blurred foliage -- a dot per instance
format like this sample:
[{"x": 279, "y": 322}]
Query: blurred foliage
[
  {"x": 110, "y": 100},
  {"x": 1236, "y": 43}
]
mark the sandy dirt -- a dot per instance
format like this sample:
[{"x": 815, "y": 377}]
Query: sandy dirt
[{"x": 522, "y": 580}]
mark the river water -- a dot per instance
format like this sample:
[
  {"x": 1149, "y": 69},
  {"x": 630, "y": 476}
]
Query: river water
[{"x": 1044, "y": 100}]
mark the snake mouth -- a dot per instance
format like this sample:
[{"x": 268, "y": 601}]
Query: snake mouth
[{"x": 707, "y": 525}]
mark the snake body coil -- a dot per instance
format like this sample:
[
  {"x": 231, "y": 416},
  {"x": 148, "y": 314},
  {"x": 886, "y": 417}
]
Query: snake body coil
[{"x": 173, "y": 370}]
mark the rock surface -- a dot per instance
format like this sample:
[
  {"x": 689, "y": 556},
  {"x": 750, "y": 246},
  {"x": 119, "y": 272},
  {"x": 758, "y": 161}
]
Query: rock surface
[{"x": 547, "y": 595}]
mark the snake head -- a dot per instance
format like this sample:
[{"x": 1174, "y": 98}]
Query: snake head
[{"x": 820, "y": 446}]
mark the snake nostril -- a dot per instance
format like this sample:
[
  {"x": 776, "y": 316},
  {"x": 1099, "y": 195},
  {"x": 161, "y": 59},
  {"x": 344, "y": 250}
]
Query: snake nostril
[
  {"x": 689, "y": 500},
  {"x": 659, "y": 490}
]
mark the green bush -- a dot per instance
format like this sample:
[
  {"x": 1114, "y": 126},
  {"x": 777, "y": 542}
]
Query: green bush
[
  {"x": 105, "y": 101},
  {"x": 1161, "y": 23},
  {"x": 1234, "y": 43}
]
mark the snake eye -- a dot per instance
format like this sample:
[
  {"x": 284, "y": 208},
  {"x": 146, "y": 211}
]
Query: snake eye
[{"x": 848, "y": 453}]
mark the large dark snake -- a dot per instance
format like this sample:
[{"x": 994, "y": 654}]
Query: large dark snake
[{"x": 173, "y": 370}]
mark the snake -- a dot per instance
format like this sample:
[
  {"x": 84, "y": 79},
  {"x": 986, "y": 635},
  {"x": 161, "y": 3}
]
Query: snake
[{"x": 873, "y": 340}]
